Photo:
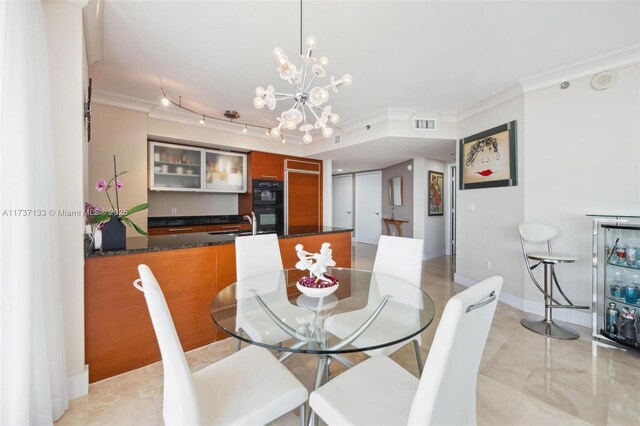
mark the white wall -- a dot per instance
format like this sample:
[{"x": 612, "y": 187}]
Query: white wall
[
  {"x": 327, "y": 193},
  {"x": 66, "y": 57},
  {"x": 435, "y": 226},
  {"x": 122, "y": 133},
  {"x": 419, "y": 197},
  {"x": 582, "y": 155},
  {"x": 488, "y": 218}
]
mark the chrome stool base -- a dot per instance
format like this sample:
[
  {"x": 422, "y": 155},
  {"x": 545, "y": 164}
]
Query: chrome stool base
[{"x": 549, "y": 328}]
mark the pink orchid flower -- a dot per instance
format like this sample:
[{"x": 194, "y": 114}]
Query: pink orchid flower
[
  {"x": 119, "y": 184},
  {"x": 101, "y": 185}
]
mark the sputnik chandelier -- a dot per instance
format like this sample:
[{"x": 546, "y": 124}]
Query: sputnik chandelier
[{"x": 304, "y": 95}]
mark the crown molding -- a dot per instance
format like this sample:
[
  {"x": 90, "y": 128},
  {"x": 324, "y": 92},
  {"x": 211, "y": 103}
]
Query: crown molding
[
  {"x": 93, "y": 18},
  {"x": 122, "y": 101},
  {"x": 629, "y": 55},
  {"x": 189, "y": 119},
  {"x": 448, "y": 117},
  {"x": 389, "y": 114},
  {"x": 495, "y": 100}
]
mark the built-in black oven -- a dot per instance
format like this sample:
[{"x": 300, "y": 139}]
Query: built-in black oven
[
  {"x": 269, "y": 218},
  {"x": 268, "y": 205},
  {"x": 268, "y": 193}
]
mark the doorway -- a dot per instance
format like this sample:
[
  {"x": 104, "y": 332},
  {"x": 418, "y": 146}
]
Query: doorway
[
  {"x": 452, "y": 209},
  {"x": 368, "y": 207},
  {"x": 343, "y": 201}
]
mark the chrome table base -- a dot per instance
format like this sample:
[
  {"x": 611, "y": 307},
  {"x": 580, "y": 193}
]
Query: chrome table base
[{"x": 549, "y": 328}]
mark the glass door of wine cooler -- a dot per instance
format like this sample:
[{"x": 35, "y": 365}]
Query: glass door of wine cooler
[{"x": 618, "y": 305}]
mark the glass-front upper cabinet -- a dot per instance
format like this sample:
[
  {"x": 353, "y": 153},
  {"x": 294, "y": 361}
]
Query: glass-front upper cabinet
[
  {"x": 619, "y": 298},
  {"x": 174, "y": 167},
  {"x": 225, "y": 171}
]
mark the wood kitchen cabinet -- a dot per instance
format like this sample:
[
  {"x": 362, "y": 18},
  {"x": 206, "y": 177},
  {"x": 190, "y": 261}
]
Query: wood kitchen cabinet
[
  {"x": 230, "y": 227},
  {"x": 119, "y": 335},
  {"x": 166, "y": 230},
  {"x": 266, "y": 166},
  {"x": 303, "y": 199},
  {"x": 303, "y": 182}
]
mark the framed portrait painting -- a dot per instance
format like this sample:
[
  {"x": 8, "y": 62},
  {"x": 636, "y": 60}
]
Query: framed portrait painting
[
  {"x": 436, "y": 194},
  {"x": 488, "y": 159}
]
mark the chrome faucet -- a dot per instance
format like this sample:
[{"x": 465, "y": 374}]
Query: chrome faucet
[{"x": 252, "y": 220}]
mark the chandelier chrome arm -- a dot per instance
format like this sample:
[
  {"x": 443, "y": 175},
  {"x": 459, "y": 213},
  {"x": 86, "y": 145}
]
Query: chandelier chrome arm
[{"x": 305, "y": 93}]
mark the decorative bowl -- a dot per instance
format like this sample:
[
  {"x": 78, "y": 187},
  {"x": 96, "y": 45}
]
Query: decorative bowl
[{"x": 322, "y": 289}]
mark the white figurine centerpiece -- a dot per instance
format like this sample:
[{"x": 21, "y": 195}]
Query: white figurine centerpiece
[{"x": 318, "y": 283}]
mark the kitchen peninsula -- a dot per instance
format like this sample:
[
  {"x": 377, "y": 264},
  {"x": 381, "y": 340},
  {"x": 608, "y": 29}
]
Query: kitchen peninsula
[{"x": 191, "y": 268}]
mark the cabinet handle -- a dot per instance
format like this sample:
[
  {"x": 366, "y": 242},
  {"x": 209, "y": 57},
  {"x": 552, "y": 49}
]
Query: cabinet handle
[
  {"x": 231, "y": 226},
  {"x": 180, "y": 229},
  {"x": 269, "y": 176}
]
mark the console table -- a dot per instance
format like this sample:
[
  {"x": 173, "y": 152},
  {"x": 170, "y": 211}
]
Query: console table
[{"x": 396, "y": 222}]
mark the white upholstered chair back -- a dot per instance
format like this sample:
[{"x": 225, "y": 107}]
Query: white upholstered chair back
[
  {"x": 447, "y": 391},
  {"x": 257, "y": 254},
  {"x": 180, "y": 405},
  {"x": 400, "y": 257}
]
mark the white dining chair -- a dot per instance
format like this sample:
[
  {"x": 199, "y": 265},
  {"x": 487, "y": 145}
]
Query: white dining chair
[
  {"x": 380, "y": 392},
  {"x": 260, "y": 255},
  {"x": 396, "y": 257},
  {"x": 249, "y": 387}
]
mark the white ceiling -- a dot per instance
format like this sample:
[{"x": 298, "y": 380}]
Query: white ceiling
[
  {"x": 427, "y": 56},
  {"x": 385, "y": 152}
]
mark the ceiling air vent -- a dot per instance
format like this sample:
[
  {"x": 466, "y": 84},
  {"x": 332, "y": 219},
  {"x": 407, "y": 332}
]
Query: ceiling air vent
[
  {"x": 424, "y": 124},
  {"x": 337, "y": 140}
]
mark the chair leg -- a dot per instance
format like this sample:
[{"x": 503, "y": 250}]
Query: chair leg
[
  {"x": 416, "y": 348},
  {"x": 239, "y": 342},
  {"x": 303, "y": 414}
]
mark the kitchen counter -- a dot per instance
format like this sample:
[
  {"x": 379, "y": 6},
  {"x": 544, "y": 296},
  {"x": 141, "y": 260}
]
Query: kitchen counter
[
  {"x": 191, "y": 269},
  {"x": 154, "y": 243}
]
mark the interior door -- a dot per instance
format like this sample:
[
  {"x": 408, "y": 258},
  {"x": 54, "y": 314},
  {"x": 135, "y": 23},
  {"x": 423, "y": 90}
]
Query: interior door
[
  {"x": 368, "y": 206},
  {"x": 454, "y": 207},
  {"x": 343, "y": 201}
]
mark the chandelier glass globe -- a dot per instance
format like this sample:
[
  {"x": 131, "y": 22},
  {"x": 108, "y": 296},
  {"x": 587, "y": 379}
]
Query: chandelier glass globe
[{"x": 306, "y": 112}]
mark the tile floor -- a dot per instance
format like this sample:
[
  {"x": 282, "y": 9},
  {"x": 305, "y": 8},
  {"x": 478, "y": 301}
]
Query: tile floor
[{"x": 525, "y": 378}]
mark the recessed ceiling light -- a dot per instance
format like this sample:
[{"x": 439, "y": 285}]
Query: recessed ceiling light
[{"x": 339, "y": 170}]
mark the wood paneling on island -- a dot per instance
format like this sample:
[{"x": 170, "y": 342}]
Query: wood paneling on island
[{"x": 119, "y": 336}]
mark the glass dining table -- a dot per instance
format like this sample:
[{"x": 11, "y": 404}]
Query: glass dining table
[{"x": 368, "y": 311}]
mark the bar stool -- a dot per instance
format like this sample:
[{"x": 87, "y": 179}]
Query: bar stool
[{"x": 535, "y": 233}]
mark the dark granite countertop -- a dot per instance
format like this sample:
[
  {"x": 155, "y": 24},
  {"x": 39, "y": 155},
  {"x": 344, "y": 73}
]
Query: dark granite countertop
[{"x": 153, "y": 243}]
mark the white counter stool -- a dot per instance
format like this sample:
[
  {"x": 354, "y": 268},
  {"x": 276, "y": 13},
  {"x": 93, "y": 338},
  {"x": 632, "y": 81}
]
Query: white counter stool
[{"x": 535, "y": 233}]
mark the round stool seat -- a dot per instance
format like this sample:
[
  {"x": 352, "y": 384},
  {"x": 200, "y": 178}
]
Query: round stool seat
[{"x": 552, "y": 257}]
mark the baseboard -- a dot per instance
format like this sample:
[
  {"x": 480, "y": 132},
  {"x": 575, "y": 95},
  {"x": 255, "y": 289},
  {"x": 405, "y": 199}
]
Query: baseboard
[
  {"x": 573, "y": 316},
  {"x": 78, "y": 385}
]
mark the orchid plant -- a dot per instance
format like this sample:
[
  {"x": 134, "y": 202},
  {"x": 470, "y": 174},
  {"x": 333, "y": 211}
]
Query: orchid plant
[{"x": 98, "y": 216}]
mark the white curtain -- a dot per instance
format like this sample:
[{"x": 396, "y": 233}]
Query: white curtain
[{"x": 32, "y": 358}]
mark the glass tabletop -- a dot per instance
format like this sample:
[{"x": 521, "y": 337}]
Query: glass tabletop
[{"x": 367, "y": 311}]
